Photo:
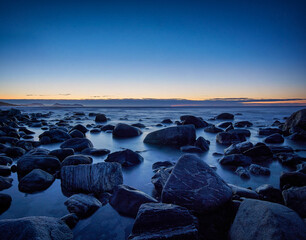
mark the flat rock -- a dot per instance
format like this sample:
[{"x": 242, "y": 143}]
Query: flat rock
[
  {"x": 127, "y": 200},
  {"x": 193, "y": 184},
  {"x": 82, "y": 205},
  {"x": 235, "y": 160},
  {"x": 37, "y": 227},
  {"x": 95, "y": 151},
  {"x": 123, "y": 130},
  {"x": 257, "y": 220},
  {"x": 295, "y": 198},
  {"x": 77, "y": 144},
  {"x": 127, "y": 158},
  {"x": 174, "y": 136},
  {"x": 268, "y": 131},
  {"x": 91, "y": 178},
  {"x": 164, "y": 221}
]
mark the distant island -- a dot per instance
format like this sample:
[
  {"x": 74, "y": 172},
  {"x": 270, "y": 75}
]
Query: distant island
[
  {"x": 4, "y": 104},
  {"x": 67, "y": 105}
]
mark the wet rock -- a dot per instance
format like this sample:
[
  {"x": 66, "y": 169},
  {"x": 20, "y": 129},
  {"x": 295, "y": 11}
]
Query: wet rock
[
  {"x": 45, "y": 140},
  {"x": 259, "y": 153},
  {"x": 242, "y": 172},
  {"x": 127, "y": 158},
  {"x": 56, "y": 135},
  {"x": 164, "y": 221},
  {"x": 165, "y": 164},
  {"x": 76, "y": 160},
  {"x": 5, "y": 160},
  {"x": 91, "y": 178},
  {"x": 61, "y": 154},
  {"x": 290, "y": 179},
  {"x": 10, "y": 140},
  {"x": 238, "y": 148},
  {"x": 259, "y": 170},
  {"x": 100, "y": 118},
  {"x": 202, "y": 143},
  {"x": 82, "y": 205},
  {"x": 138, "y": 125},
  {"x": 71, "y": 220},
  {"x": 212, "y": 129},
  {"x": 196, "y": 121},
  {"x": 5, "y": 202},
  {"x": 274, "y": 138},
  {"x": 127, "y": 200},
  {"x": 268, "y": 193},
  {"x": 5, "y": 170},
  {"x": 290, "y": 159},
  {"x": 268, "y": 131},
  {"x": 14, "y": 152},
  {"x": 193, "y": 184},
  {"x": 167, "y": 121},
  {"x": 36, "y": 180},
  {"x": 243, "y": 192},
  {"x": 160, "y": 178},
  {"x": 123, "y": 130},
  {"x": 36, "y": 227},
  {"x": 95, "y": 130},
  {"x": 77, "y": 144},
  {"x": 235, "y": 160},
  {"x": 257, "y": 219},
  {"x": 225, "y": 124},
  {"x": 5, "y": 183},
  {"x": 95, "y": 152},
  {"x": 295, "y": 198},
  {"x": 242, "y": 124},
  {"x": 226, "y": 116},
  {"x": 81, "y": 128},
  {"x": 240, "y": 132},
  {"x": 173, "y": 136},
  {"x": 226, "y": 138},
  {"x": 76, "y": 134},
  {"x": 190, "y": 149},
  {"x": 107, "y": 127},
  {"x": 296, "y": 124}
]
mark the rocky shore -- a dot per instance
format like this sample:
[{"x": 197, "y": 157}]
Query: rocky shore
[{"x": 190, "y": 201}]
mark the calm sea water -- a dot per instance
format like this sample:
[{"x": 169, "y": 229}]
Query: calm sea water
[{"x": 106, "y": 223}]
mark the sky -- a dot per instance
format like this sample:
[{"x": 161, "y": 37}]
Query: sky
[{"x": 195, "y": 50}]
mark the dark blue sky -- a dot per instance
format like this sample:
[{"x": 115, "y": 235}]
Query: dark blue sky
[{"x": 156, "y": 49}]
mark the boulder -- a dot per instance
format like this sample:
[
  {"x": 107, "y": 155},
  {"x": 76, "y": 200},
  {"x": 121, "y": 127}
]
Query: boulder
[
  {"x": 36, "y": 180},
  {"x": 295, "y": 198},
  {"x": 127, "y": 158},
  {"x": 61, "y": 154},
  {"x": 81, "y": 128},
  {"x": 138, "y": 125},
  {"x": 107, "y": 127},
  {"x": 36, "y": 227},
  {"x": 195, "y": 121},
  {"x": 259, "y": 170},
  {"x": 190, "y": 149},
  {"x": 4, "y": 160},
  {"x": 242, "y": 124},
  {"x": 5, "y": 202},
  {"x": 226, "y": 138},
  {"x": 127, "y": 200},
  {"x": 100, "y": 118},
  {"x": 225, "y": 116},
  {"x": 296, "y": 123},
  {"x": 274, "y": 138},
  {"x": 268, "y": 131},
  {"x": 77, "y": 144},
  {"x": 174, "y": 136},
  {"x": 243, "y": 192},
  {"x": 165, "y": 164},
  {"x": 76, "y": 160},
  {"x": 160, "y": 178},
  {"x": 55, "y": 135},
  {"x": 5, "y": 170},
  {"x": 290, "y": 159},
  {"x": 70, "y": 219},
  {"x": 82, "y": 205},
  {"x": 164, "y": 221},
  {"x": 167, "y": 121},
  {"x": 259, "y": 153},
  {"x": 95, "y": 152},
  {"x": 5, "y": 183},
  {"x": 243, "y": 173},
  {"x": 281, "y": 149},
  {"x": 290, "y": 179},
  {"x": 195, "y": 185},
  {"x": 235, "y": 160},
  {"x": 77, "y": 134},
  {"x": 123, "y": 130},
  {"x": 14, "y": 152},
  {"x": 91, "y": 178},
  {"x": 225, "y": 124},
  {"x": 257, "y": 219},
  {"x": 269, "y": 193},
  {"x": 238, "y": 148},
  {"x": 202, "y": 143},
  {"x": 239, "y": 132},
  {"x": 212, "y": 129}
]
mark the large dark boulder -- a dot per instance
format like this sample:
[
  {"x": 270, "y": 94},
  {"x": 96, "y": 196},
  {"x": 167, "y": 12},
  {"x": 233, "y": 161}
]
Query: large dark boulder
[
  {"x": 212, "y": 129},
  {"x": 5, "y": 183},
  {"x": 77, "y": 144},
  {"x": 226, "y": 138},
  {"x": 36, "y": 180},
  {"x": 95, "y": 152},
  {"x": 81, "y": 128},
  {"x": 295, "y": 198},
  {"x": 259, "y": 170},
  {"x": 14, "y": 152},
  {"x": 243, "y": 192},
  {"x": 123, "y": 130},
  {"x": 190, "y": 149},
  {"x": 259, "y": 153},
  {"x": 100, "y": 118},
  {"x": 46, "y": 228},
  {"x": 61, "y": 154},
  {"x": 76, "y": 160},
  {"x": 235, "y": 160},
  {"x": 55, "y": 135},
  {"x": 174, "y": 136},
  {"x": 239, "y": 132},
  {"x": 5, "y": 202},
  {"x": 76, "y": 134},
  {"x": 82, "y": 205},
  {"x": 202, "y": 143},
  {"x": 238, "y": 148},
  {"x": 274, "y": 138},
  {"x": 164, "y": 221},
  {"x": 4, "y": 160},
  {"x": 292, "y": 179},
  {"x": 195, "y": 185},
  {"x": 127, "y": 200},
  {"x": 40, "y": 160},
  {"x": 296, "y": 123},
  {"x": 196, "y": 121},
  {"x": 225, "y": 116},
  {"x": 127, "y": 158},
  {"x": 242, "y": 124},
  {"x": 91, "y": 178},
  {"x": 269, "y": 193},
  {"x": 269, "y": 131},
  {"x": 290, "y": 159},
  {"x": 160, "y": 178},
  {"x": 257, "y": 220}
]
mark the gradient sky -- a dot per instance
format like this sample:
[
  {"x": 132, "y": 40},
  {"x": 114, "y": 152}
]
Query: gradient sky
[{"x": 152, "y": 49}]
